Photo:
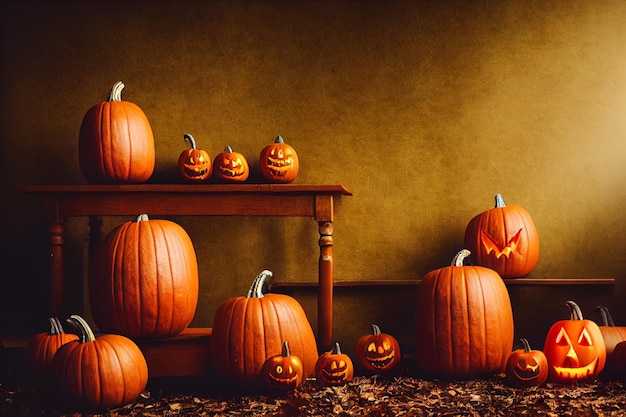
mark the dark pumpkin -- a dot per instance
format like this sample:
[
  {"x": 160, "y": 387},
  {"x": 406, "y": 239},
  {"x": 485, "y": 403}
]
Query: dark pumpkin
[
  {"x": 334, "y": 367},
  {"x": 377, "y": 353},
  {"x": 526, "y": 367},
  {"x": 194, "y": 165}
]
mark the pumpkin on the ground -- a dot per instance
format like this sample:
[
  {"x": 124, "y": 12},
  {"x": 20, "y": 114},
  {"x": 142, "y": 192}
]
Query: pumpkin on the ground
[
  {"x": 377, "y": 352},
  {"x": 231, "y": 166},
  {"x": 248, "y": 330},
  {"x": 334, "y": 367},
  {"x": 143, "y": 282},
  {"x": 574, "y": 348},
  {"x": 279, "y": 162},
  {"x": 115, "y": 143},
  {"x": 42, "y": 347},
  {"x": 504, "y": 239},
  {"x": 194, "y": 165},
  {"x": 612, "y": 335},
  {"x": 464, "y": 321},
  {"x": 283, "y": 372},
  {"x": 526, "y": 367},
  {"x": 99, "y": 372}
]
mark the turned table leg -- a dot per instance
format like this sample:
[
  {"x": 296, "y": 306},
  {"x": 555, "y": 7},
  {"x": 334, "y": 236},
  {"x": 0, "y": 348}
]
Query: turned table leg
[
  {"x": 55, "y": 242},
  {"x": 325, "y": 290}
]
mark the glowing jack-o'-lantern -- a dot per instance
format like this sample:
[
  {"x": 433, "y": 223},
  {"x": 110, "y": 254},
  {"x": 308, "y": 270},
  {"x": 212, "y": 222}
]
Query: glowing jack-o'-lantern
[
  {"x": 231, "y": 166},
  {"x": 574, "y": 348},
  {"x": 334, "y": 367},
  {"x": 279, "y": 162},
  {"x": 526, "y": 367},
  {"x": 281, "y": 373},
  {"x": 194, "y": 165},
  {"x": 504, "y": 239},
  {"x": 377, "y": 352}
]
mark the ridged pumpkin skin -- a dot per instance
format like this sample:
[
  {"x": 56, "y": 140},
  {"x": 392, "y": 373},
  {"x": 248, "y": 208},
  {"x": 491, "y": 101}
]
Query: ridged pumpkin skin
[
  {"x": 249, "y": 330},
  {"x": 464, "y": 322},
  {"x": 504, "y": 239},
  {"x": 115, "y": 143},
  {"x": 98, "y": 373},
  {"x": 144, "y": 280}
]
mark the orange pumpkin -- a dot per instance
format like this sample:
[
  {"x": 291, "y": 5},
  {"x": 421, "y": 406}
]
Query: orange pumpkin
[
  {"x": 279, "y": 162},
  {"x": 115, "y": 143},
  {"x": 612, "y": 335},
  {"x": 504, "y": 239},
  {"x": 230, "y": 166},
  {"x": 575, "y": 349},
  {"x": 43, "y": 346},
  {"x": 98, "y": 373},
  {"x": 377, "y": 353},
  {"x": 334, "y": 367},
  {"x": 247, "y": 330},
  {"x": 144, "y": 280},
  {"x": 526, "y": 367},
  {"x": 464, "y": 321},
  {"x": 282, "y": 373},
  {"x": 194, "y": 165}
]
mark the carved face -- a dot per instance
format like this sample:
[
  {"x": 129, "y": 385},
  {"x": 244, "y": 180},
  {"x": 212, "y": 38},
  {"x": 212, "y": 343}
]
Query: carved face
[
  {"x": 282, "y": 372},
  {"x": 377, "y": 352},
  {"x": 231, "y": 166},
  {"x": 194, "y": 164},
  {"x": 279, "y": 162},
  {"x": 526, "y": 367},
  {"x": 334, "y": 367}
]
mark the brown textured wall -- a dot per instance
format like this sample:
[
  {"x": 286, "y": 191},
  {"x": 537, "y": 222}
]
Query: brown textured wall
[{"x": 424, "y": 110}]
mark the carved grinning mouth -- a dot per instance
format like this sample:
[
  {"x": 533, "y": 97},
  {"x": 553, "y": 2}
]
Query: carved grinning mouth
[
  {"x": 333, "y": 376},
  {"x": 279, "y": 167},
  {"x": 381, "y": 363},
  {"x": 195, "y": 170},
  {"x": 576, "y": 373}
]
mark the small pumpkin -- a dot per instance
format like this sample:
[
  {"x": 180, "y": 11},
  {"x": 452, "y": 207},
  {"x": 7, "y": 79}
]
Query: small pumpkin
[
  {"x": 231, "y": 166},
  {"x": 377, "y": 352},
  {"x": 194, "y": 165},
  {"x": 42, "y": 347},
  {"x": 526, "y": 367},
  {"x": 334, "y": 367},
  {"x": 464, "y": 321},
  {"x": 504, "y": 239},
  {"x": 143, "y": 280},
  {"x": 115, "y": 143},
  {"x": 99, "y": 372},
  {"x": 574, "y": 348},
  {"x": 282, "y": 373},
  {"x": 279, "y": 162},
  {"x": 247, "y": 330}
]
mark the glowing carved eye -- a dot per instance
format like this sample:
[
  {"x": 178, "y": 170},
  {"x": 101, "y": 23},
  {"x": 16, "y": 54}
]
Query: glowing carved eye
[
  {"x": 371, "y": 347},
  {"x": 386, "y": 345},
  {"x": 563, "y": 339},
  {"x": 584, "y": 339},
  {"x": 279, "y": 369}
]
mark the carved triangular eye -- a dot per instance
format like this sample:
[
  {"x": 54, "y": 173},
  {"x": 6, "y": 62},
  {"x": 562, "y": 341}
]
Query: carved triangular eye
[
  {"x": 584, "y": 339},
  {"x": 562, "y": 339}
]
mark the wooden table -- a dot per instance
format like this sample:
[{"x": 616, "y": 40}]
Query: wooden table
[{"x": 95, "y": 201}]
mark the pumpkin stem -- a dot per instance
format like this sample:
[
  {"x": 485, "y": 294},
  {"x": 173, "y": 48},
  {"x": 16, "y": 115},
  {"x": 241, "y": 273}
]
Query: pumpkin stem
[
  {"x": 279, "y": 139},
  {"x": 525, "y": 344},
  {"x": 116, "y": 91},
  {"x": 192, "y": 142},
  {"x": 375, "y": 329},
  {"x": 55, "y": 326},
  {"x": 142, "y": 218},
  {"x": 86, "y": 334},
  {"x": 285, "y": 352},
  {"x": 575, "y": 312},
  {"x": 228, "y": 149},
  {"x": 460, "y": 257},
  {"x": 607, "y": 319},
  {"x": 260, "y": 284},
  {"x": 500, "y": 201},
  {"x": 337, "y": 349}
]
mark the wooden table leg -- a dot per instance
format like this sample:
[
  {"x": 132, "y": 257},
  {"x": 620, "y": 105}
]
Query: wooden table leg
[
  {"x": 325, "y": 289},
  {"x": 55, "y": 242}
]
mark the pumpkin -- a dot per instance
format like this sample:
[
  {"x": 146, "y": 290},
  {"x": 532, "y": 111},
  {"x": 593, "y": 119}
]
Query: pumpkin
[
  {"x": 526, "y": 367},
  {"x": 574, "y": 348},
  {"x": 279, "y": 162},
  {"x": 144, "y": 280},
  {"x": 377, "y": 352},
  {"x": 99, "y": 372},
  {"x": 618, "y": 361},
  {"x": 464, "y": 321},
  {"x": 42, "y": 347},
  {"x": 504, "y": 239},
  {"x": 334, "y": 367},
  {"x": 612, "y": 335},
  {"x": 115, "y": 143},
  {"x": 230, "y": 166},
  {"x": 247, "y": 330},
  {"x": 282, "y": 373},
  {"x": 194, "y": 165}
]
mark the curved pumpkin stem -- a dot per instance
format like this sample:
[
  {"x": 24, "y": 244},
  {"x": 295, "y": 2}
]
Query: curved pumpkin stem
[
  {"x": 142, "y": 218},
  {"x": 260, "y": 283},
  {"x": 375, "y": 330},
  {"x": 285, "y": 352},
  {"x": 525, "y": 344},
  {"x": 55, "y": 326},
  {"x": 500, "y": 201},
  {"x": 575, "y": 312},
  {"x": 460, "y": 257},
  {"x": 192, "y": 142},
  {"x": 607, "y": 319},
  {"x": 228, "y": 149},
  {"x": 86, "y": 334},
  {"x": 116, "y": 91},
  {"x": 337, "y": 349},
  {"x": 279, "y": 139}
]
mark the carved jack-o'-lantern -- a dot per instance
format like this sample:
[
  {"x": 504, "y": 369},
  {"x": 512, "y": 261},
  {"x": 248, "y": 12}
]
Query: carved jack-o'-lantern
[
  {"x": 334, "y": 367},
  {"x": 504, "y": 239},
  {"x": 282, "y": 373},
  {"x": 279, "y": 162},
  {"x": 377, "y": 352},
  {"x": 194, "y": 165},
  {"x": 526, "y": 367},
  {"x": 574, "y": 348},
  {"x": 231, "y": 166}
]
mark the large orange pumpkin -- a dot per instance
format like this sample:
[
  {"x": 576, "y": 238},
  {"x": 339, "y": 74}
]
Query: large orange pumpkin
[
  {"x": 464, "y": 321},
  {"x": 99, "y": 372},
  {"x": 248, "y": 330},
  {"x": 144, "y": 280},
  {"x": 115, "y": 143},
  {"x": 504, "y": 239},
  {"x": 42, "y": 347}
]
